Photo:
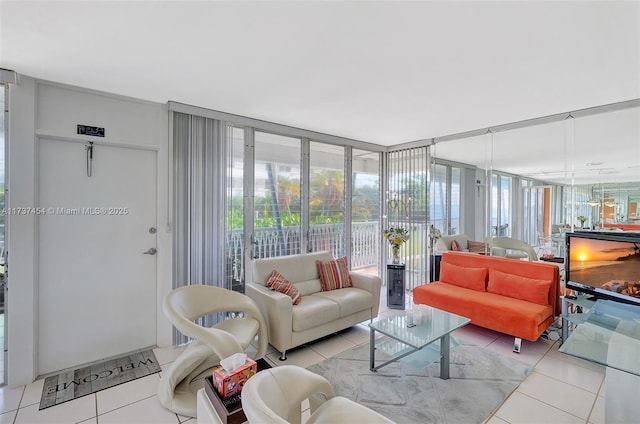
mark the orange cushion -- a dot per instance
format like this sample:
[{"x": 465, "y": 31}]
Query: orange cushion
[
  {"x": 278, "y": 283},
  {"x": 462, "y": 276},
  {"x": 515, "y": 286},
  {"x": 334, "y": 274}
]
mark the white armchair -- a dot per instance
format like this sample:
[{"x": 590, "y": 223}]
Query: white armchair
[
  {"x": 184, "y": 305},
  {"x": 512, "y": 248},
  {"x": 275, "y": 396}
]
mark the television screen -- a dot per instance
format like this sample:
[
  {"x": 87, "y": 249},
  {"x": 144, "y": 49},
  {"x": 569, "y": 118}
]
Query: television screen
[{"x": 604, "y": 265}]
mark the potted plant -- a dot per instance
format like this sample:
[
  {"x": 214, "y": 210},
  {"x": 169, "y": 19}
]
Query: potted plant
[
  {"x": 396, "y": 236},
  {"x": 582, "y": 219}
]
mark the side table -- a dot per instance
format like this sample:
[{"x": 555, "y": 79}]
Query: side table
[
  {"x": 434, "y": 267},
  {"x": 570, "y": 318},
  {"x": 206, "y": 413},
  {"x": 395, "y": 285}
]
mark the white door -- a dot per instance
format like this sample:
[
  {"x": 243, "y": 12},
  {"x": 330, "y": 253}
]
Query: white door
[{"x": 97, "y": 289}]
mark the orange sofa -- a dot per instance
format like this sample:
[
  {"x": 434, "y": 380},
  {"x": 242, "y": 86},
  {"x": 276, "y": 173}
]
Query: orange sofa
[{"x": 514, "y": 297}]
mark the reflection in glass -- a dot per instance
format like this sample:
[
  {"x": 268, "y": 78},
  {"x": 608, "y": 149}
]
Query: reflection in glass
[{"x": 235, "y": 213}]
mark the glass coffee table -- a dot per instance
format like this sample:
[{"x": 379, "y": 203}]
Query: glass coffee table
[{"x": 417, "y": 345}]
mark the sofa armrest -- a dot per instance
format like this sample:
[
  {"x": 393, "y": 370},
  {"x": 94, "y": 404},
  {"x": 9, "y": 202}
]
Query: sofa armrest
[
  {"x": 277, "y": 310},
  {"x": 370, "y": 283}
]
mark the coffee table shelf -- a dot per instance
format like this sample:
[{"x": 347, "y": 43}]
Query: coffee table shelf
[
  {"x": 415, "y": 358},
  {"x": 418, "y": 345}
]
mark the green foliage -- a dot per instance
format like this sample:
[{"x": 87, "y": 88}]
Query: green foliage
[{"x": 326, "y": 202}]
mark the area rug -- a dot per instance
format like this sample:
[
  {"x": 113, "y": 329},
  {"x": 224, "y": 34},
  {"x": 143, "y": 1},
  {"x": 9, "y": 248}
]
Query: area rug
[
  {"x": 72, "y": 384},
  {"x": 480, "y": 380}
]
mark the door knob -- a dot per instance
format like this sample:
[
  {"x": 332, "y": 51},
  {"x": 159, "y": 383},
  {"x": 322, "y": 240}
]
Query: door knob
[{"x": 151, "y": 251}]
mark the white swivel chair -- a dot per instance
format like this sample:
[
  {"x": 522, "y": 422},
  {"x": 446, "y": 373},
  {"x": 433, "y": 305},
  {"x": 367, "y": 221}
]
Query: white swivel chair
[
  {"x": 274, "y": 396},
  {"x": 512, "y": 248},
  {"x": 184, "y": 305}
]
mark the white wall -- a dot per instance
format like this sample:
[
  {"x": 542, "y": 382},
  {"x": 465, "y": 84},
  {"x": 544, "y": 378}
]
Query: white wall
[{"x": 39, "y": 108}]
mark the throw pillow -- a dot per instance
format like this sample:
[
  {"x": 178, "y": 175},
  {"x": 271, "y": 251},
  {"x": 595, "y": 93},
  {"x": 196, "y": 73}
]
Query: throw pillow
[
  {"x": 280, "y": 284},
  {"x": 462, "y": 276},
  {"x": 334, "y": 274},
  {"x": 477, "y": 246},
  {"x": 515, "y": 286},
  {"x": 455, "y": 246}
]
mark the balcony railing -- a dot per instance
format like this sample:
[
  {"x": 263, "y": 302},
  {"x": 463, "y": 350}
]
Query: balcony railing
[{"x": 365, "y": 247}]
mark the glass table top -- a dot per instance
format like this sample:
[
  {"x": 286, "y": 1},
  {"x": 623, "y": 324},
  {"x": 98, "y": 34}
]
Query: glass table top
[
  {"x": 436, "y": 324},
  {"x": 609, "y": 335}
]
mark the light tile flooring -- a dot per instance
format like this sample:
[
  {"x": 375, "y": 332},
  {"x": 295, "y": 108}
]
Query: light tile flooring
[{"x": 561, "y": 389}]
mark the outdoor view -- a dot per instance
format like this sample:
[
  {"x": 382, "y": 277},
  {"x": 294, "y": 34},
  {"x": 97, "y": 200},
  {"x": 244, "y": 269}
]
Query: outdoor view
[{"x": 278, "y": 201}]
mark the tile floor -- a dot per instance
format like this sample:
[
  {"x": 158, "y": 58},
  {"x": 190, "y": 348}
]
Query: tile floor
[{"x": 561, "y": 389}]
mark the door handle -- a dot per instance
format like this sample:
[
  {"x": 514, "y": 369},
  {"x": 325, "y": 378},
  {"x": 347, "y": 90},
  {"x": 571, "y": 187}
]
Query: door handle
[{"x": 151, "y": 251}]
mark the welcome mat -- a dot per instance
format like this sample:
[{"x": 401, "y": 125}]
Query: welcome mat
[
  {"x": 480, "y": 381},
  {"x": 72, "y": 384}
]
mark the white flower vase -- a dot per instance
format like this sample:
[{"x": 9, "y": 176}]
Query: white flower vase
[{"x": 395, "y": 251}]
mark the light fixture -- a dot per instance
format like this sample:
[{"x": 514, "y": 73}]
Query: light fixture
[{"x": 593, "y": 203}]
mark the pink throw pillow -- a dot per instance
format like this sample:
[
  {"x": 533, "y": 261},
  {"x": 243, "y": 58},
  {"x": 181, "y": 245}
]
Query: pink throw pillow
[
  {"x": 455, "y": 246},
  {"x": 334, "y": 274},
  {"x": 280, "y": 284}
]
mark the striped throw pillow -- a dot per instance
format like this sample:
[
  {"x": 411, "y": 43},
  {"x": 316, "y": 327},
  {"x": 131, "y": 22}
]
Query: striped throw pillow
[
  {"x": 334, "y": 274},
  {"x": 278, "y": 283}
]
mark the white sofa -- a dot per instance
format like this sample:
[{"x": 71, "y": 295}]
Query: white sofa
[
  {"x": 443, "y": 244},
  {"x": 319, "y": 313}
]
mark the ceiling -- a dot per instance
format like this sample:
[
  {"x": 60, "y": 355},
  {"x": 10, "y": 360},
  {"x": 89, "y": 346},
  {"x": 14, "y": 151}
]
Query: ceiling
[{"x": 385, "y": 72}]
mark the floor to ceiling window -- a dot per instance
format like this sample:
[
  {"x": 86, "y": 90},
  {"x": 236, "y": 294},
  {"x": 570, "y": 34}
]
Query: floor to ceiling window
[
  {"x": 444, "y": 196},
  {"x": 326, "y": 199},
  {"x": 235, "y": 209},
  {"x": 533, "y": 212},
  {"x": 273, "y": 192},
  {"x": 406, "y": 207},
  {"x": 365, "y": 210},
  {"x": 277, "y": 190},
  {"x": 501, "y": 201}
]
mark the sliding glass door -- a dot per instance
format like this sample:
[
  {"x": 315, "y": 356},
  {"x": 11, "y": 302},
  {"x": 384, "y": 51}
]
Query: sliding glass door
[
  {"x": 276, "y": 196},
  {"x": 235, "y": 246},
  {"x": 501, "y": 201},
  {"x": 326, "y": 199},
  {"x": 365, "y": 211}
]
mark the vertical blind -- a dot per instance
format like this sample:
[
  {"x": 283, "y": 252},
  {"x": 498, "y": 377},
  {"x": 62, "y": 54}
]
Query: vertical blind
[
  {"x": 407, "y": 207},
  {"x": 199, "y": 166}
]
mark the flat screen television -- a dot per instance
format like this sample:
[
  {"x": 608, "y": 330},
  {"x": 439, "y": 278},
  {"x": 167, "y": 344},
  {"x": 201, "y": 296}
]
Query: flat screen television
[{"x": 604, "y": 265}]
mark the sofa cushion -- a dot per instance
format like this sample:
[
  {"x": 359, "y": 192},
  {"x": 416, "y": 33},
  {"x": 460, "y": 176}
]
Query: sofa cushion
[
  {"x": 477, "y": 246},
  {"x": 507, "y": 315},
  {"x": 296, "y": 267},
  {"x": 334, "y": 274},
  {"x": 455, "y": 246},
  {"x": 280, "y": 284},
  {"x": 462, "y": 276},
  {"x": 309, "y": 287},
  {"x": 313, "y": 311},
  {"x": 517, "y": 287},
  {"x": 350, "y": 300}
]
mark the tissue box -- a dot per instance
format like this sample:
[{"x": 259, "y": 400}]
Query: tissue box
[{"x": 229, "y": 384}]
